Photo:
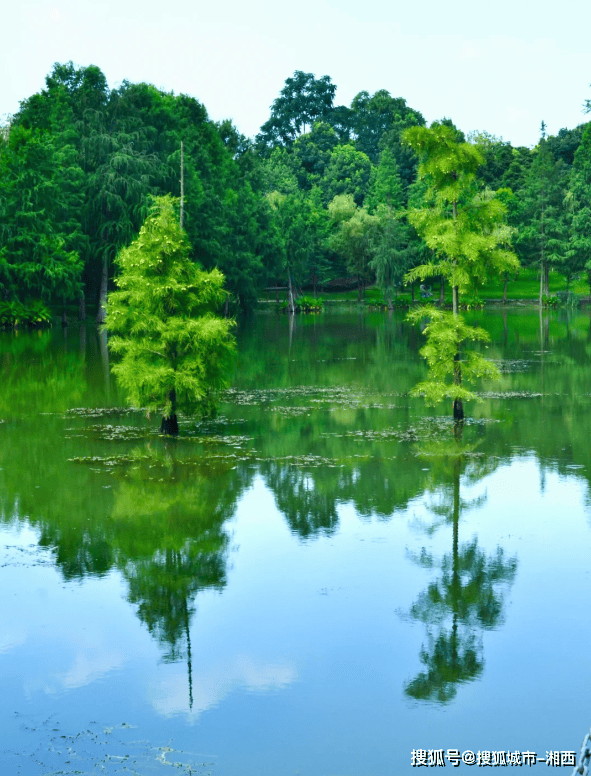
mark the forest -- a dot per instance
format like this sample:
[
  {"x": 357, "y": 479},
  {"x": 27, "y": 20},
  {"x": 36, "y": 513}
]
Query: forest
[{"x": 322, "y": 197}]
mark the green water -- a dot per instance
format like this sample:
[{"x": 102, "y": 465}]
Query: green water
[{"x": 324, "y": 578}]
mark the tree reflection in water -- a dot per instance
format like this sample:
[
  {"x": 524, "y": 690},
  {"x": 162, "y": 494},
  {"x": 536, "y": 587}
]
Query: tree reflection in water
[{"x": 468, "y": 597}]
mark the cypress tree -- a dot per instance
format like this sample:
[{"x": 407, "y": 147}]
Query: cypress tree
[{"x": 175, "y": 351}]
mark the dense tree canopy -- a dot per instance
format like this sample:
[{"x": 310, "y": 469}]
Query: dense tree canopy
[{"x": 79, "y": 162}]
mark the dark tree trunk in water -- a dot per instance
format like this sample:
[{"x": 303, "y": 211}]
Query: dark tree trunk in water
[
  {"x": 458, "y": 406},
  {"x": 82, "y": 307},
  {"x": 359, "y": 289},
  {"x": 102, "y": 308},
  {"x": 170, "y": 424},
  {"x": 505, "y": 289},
  {"x": 64, "y": 315},
  {"x": 442, "y": 292}
]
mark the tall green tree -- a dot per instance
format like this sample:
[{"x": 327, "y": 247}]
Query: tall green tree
[
  {"x": 175, "y": 352},
  {"x": 303, "y": 100},
  {"x": 467, "y": 231},
  {"x": 353, "y": 237},
  {"x": 580, "y": 205},
  {"x": 39, "y": 244},
  {"x": 543, "y": 234},
  {"x": 378, "y": 121},
  {"x": 385, "y": 186},
  {"x": 464, "y": 226}
]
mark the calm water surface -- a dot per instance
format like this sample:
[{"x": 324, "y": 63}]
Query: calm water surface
[{"x": 323, "y": 579}]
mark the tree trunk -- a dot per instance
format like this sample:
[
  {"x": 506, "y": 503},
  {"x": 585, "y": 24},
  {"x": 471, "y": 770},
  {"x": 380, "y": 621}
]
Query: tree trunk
[
  {"x": 102, "y": 306},
  {"x": 314, "y": 276},
  {"x": 546, "y": 279},
  {"x": 290, "y": 303},
  {"x": 81, "y": 307},
  {"x": 64, "y": 314},
  {"x": 226, "y": 306},
  {"x": 83, "y": 343},
  {"x": 104, "y": 348},
  {"x": 541, "y": 284},
  {"x": 412, "y": 292},
  {"x": 169, "y": 423},
  {"x": 505, "y": 289},
  {"x": 458, "y": 406},
  {"x": 359, "y": 289},
  {"x": 589, "y": 279},
  {"x": 442, "y": 292}
]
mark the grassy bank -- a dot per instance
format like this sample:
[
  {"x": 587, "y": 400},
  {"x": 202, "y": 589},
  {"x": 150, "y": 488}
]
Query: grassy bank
[{"x": 525, "y": 288}]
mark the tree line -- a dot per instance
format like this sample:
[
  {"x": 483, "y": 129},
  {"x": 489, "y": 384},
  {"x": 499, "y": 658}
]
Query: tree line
[{"x": 323, "y": 193}]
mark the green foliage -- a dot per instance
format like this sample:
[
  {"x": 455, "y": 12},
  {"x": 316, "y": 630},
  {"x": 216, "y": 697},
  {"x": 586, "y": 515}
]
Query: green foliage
[
  {"x": 14, "y": 314},
  {"x": 301, "y": 226},
  {"x": 162, "y": 322},
  {"x": 38, "y": 244},
  {"x": 444, "y": 352},
  {"x": 312, "y": 154},
  {"x": 392, "y": 251},
  {"x": 542, "y": 238},
  {"x": 497, "y": 156},
  {"x": 464, "y": 227},
  {"x": 551, "y": 301},
  {"x": 348, "y": 172},
  {"x": 307, "y": 304},
  {"x": 304, "y": 100},
  {"x": 473, "y": 302},
  {"x": 378, "y": 121},
  {"x": 385, "y": 184},
  {"x": 353, "y": 235},
  {"x": 579, "y": 205}
]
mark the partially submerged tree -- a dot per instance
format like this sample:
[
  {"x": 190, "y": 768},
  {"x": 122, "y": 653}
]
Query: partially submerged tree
[
  {"x": 467, "y": 232},
  {"x": 175, "y": 352},
  {"x": 450, "y": 366}
]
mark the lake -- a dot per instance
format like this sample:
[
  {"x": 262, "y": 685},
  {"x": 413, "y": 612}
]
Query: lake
[{"x": 324, "y": 578}]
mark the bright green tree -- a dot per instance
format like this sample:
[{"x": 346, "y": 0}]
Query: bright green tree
[
  {"x": 450, "y": 364},
  {"x": 465, "y": 227},
  {"x": 175, "y": 352},
  {"x": 466, "y": 230}
]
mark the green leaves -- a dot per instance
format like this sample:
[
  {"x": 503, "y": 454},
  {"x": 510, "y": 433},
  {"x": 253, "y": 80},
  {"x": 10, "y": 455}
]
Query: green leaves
[
  {"x": 465, "y": 227},
  {"x": 163, "y": 322},
  {"x": 449, "y": 364}
]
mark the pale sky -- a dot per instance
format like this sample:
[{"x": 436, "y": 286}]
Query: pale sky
[{"x": 502, "y": 67}]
